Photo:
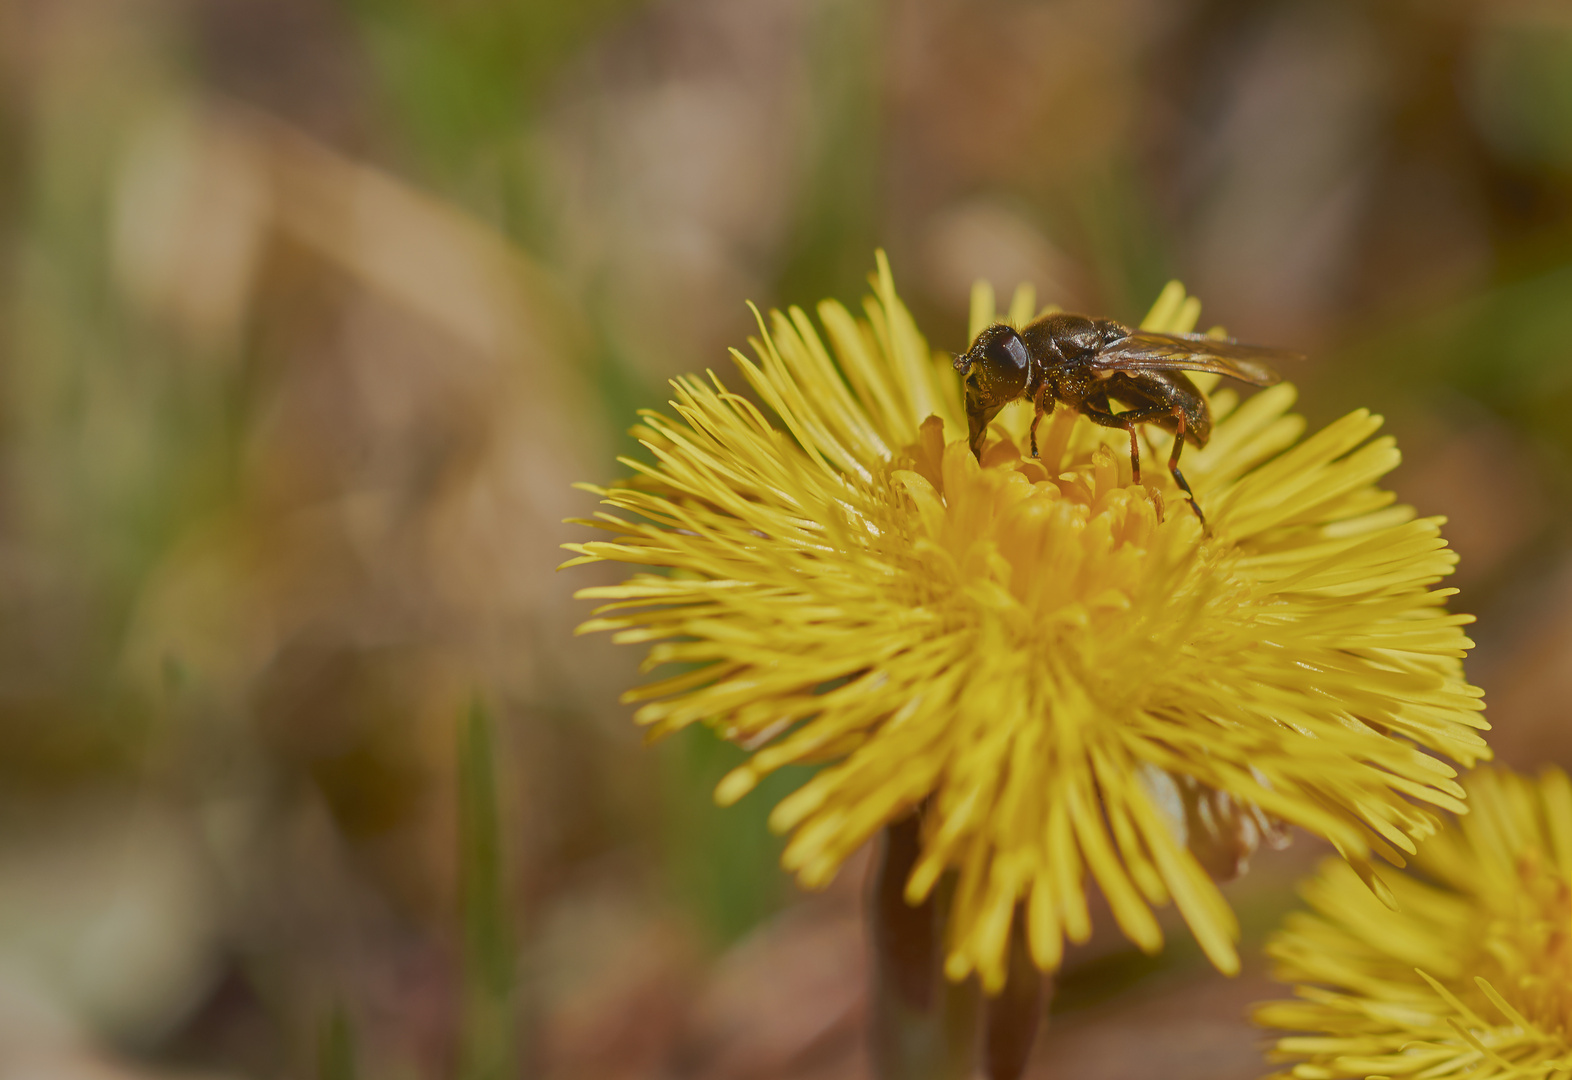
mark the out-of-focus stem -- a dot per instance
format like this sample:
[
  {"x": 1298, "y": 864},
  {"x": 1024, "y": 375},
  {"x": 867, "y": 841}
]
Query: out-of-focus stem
[
  {"x": 923, "y": 1027},
  {"x": 1011, "y": 1019}
]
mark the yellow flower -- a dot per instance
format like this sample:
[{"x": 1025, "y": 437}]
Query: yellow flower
[
  {"x": 1045, "y": 658},
  {"x": 1471, "y": 976}
]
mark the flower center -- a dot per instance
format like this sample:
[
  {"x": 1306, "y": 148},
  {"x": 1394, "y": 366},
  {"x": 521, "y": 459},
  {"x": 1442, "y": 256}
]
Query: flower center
[
  {"x": 1531, "y": 943},
  {"x": 1042, "y": 553}
]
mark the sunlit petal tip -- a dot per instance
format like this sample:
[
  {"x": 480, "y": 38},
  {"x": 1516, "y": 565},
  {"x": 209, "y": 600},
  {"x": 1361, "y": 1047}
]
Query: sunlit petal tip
[
  {"x": 735, "y": 784},
  {"x": 1006, "y": 644},
  {"x": 920, "y": 885},
  {"x": 957, "y": 966}
]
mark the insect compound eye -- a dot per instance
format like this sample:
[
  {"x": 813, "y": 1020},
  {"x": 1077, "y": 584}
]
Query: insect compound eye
[
  {"x": 1001, "y": 365},
  {"x": 997, "y": 369}
]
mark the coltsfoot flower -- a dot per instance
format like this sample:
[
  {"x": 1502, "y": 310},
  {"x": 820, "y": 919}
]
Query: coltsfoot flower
[
  {"x": 1470, "y": 977},
  {"x": 1060, "y": 668}
]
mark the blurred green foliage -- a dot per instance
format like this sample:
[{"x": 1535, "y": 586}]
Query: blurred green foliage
[
  {"x": 724, "y": 863},
  {"x": 1522, "y": 90},
  {"x": 461, "y": 86},
  {"x": 488, "y": 1046},
  {"x": 836, "y": 220},
  {"x": 336, "y": 1060}
]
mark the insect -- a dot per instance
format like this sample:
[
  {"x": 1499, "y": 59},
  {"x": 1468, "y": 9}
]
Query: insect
[{"x": 1088, "y": 363}]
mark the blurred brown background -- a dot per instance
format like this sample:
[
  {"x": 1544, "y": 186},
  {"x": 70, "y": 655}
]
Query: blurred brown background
[{"x": 311, "y": 311}]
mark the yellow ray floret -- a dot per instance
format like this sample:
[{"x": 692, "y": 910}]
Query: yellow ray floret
[
  {"x": 1031, "y": 649},
  {"x": 1470, "y": 977}
]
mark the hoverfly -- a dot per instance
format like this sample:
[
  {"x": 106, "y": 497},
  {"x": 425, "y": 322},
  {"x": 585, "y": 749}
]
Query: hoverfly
[{"x": 1086, "y": 363}]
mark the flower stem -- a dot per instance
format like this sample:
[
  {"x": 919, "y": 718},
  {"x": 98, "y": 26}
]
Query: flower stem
[
  {"x": 1011, "y": 1019},
  {"x": 923, "y": 1026}
]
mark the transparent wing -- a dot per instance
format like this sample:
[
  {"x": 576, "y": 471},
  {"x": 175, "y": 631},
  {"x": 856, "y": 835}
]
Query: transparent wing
[{"x": 1146, "y": 350}]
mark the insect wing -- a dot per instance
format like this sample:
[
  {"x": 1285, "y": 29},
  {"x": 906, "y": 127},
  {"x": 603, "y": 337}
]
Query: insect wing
[{"x": 1146, "y": 350}]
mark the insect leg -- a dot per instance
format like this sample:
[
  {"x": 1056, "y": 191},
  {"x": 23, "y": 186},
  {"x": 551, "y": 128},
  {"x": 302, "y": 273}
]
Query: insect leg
[
  {"x": 1128, "y": 421},
  {"x": 1173, "y": 465},
  {"x": 1098, "y": 413},
  {"x": 1042, "y": 392}
]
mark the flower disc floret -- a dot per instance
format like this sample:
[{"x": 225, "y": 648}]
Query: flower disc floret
[{"x": 1036, "y": 654}]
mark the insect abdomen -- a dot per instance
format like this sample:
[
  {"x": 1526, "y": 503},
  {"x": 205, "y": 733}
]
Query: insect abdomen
[{"x": 1173, "y": 388}]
